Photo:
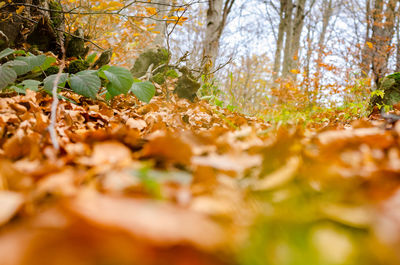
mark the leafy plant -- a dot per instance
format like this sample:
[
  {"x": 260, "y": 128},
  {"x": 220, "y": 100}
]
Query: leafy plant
[{"x": 28, "y": 72}]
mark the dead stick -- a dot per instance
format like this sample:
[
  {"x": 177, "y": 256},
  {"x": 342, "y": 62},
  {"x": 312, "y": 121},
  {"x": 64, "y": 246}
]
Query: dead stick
[{"x": 54, "y": 104}]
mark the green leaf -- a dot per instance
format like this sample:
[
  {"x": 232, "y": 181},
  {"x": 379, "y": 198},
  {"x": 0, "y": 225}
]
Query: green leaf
[
  {"x": 88, "y": 72},
  {"x": 18, "y": 89},
  {"x": 32, "y": 61},
  {"x": 6, "y": 52},
  {"x": 49, "y": 81},
  {"x": 144, "y": 91},
  {"x": 19, "y": 67},
  {"x": 85, "y": 83},
  {"x": 7, "y": 76},
  {"x": 31, "y": 84},
  {"x": 46, "y": 64},
  {"x": 91, "y": 57},
  {"x": 120, "y": 80}
]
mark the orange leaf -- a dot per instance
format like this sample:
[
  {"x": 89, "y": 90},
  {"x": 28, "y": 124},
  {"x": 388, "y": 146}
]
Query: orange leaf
[{"x": 20, "y": 9}]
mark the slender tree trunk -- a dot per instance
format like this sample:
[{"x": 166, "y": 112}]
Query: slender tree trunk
[
  {"x": 366, "y": 53},
  {"x": 298, "y": 23},
  {"x": 327, "y": 13},
  {"x": 279, "y": 42},
  {"x": 308, "y": 56},
  {"x": 288, "y": 38}
]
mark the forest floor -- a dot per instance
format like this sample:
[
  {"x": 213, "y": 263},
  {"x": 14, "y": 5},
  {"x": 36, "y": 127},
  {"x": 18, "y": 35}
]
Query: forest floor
[{"x": 173, "y": 182}]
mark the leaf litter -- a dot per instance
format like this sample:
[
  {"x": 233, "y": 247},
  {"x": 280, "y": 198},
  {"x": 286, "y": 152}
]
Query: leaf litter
[{"x": 173, "y": 182}]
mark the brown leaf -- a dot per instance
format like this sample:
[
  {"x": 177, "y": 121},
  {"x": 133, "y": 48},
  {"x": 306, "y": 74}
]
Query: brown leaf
[
  {"x": 374, "y": 137},
  {"x": 10, "y": 203},
  {"x": 169, "y": 149},
  {"x": 160, "y": 223},
  {"x": 109, "y": 153}
]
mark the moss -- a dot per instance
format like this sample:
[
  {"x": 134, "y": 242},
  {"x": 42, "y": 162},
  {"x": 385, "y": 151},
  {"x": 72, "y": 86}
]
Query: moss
[
  {"x": 390, "y": 85},
  {"x": 76, "y": 45},
  {"x": 77, "y": 66},
  {"x": 172, "y": 73},
  {"x": 52, "y": 70},
  {"x": 56, "y": 17},
  {"x": 159, "y": 78},
  {"x": 155, "y": 57},
  {"x": 187, "y": 86}
]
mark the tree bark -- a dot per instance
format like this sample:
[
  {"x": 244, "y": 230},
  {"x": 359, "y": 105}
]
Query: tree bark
[
  {"x": 162, "y": 10},
  {"x": 382, "y": 34},
  {"x": 327, "y": 13},
  {"x": 288, "y": 38},
  {"x": 217, "y": 13},
  {"x": 279, "y": 41},
  {"x": 297, "y": 30},
  {"x": 366, "y": 53},
  {"x": 398, "y": 42}
]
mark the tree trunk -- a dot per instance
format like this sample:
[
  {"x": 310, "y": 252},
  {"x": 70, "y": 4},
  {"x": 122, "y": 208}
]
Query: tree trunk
[
  {"x": 288, "y": 38},
  {"x": 279, "y": 42},
  {"x": 366, "y": 53},
  {"x": 398, "y": 42},
  {"x": 162, "y": 10},
  {"x": 297, "y": 30},
  {"x": 327, "y": 13},
  {"x": 41, "y": 24},
  {"x": 217, "y": 13},
  {"x": 382, "y": 34}
]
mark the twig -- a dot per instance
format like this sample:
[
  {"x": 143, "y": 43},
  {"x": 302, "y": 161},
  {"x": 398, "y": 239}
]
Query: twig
[
  {"x": 148, "y": 74},
  {"x": 54, "y": 104}
]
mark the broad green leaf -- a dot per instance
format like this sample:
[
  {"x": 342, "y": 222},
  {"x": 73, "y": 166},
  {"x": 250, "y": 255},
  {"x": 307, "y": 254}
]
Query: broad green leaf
[
  {"x": 31, "y": 84},
  {"x": 88, "y": 72},
  {"x": 18, "y": 89},
  {"x": 144, "y": 91},
  {"x": 49, "y": 81},
  {"x": 7, "y": 76},
  {"x": 85, "y": 84},
  {"x": 46, "y": 64},
  {"x": 19, "y": 67},
  {"x": 32, "y": 61},
  {"x": 120, "y": 80},
  {"x": 6, "y": 52},
  {"x": 91, "y": 57}
]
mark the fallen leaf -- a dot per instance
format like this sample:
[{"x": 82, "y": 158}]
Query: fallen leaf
[
  {"x": 161, "y": 223},
  {"x": 10, "y": 203}
]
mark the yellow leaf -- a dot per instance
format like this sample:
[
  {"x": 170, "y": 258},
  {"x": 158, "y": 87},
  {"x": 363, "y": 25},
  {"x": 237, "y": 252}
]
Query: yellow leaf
[
  {"x": 2, "y": 4},
  {"x": 151, "y": 10},
  {"x": 20, "y": 9},
  {"x": 369, "y": 44},
  {"x": 295, "y": 71},
  {"x": 180, "y": 9}
]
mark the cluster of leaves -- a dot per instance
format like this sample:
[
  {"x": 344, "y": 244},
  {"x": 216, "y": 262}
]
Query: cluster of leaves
[{"x": 27, "y": 71}]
